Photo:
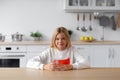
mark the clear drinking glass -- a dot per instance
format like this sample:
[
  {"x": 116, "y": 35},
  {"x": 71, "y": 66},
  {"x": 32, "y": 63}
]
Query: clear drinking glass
[{"x": 56, "y": 67}]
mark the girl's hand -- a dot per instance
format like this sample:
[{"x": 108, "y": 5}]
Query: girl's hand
[
  {"x": 49, "y": 67},
  {"x": 65, "y": 67},
  {"x": 54, "y": 67}
]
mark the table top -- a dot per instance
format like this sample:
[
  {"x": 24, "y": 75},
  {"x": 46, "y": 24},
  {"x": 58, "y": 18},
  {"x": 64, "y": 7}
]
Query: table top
[{"x": 84, "y": 74}]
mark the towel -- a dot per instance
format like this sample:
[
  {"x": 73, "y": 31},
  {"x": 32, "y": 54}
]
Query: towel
[{"x": 113, "y": 23}]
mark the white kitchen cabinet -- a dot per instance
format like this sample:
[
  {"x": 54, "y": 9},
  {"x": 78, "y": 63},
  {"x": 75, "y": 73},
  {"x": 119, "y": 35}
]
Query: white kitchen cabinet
[
  {"x": 35, "y": 50},
  {"x": 100, "y": 56},
  {"x": 77, "y": 5},
  {"x": 106, "y": 56},
  {"x": 114, "y": 56},
  {"x": 92, "y": 5},
  {"x": 86, "y": 52}
]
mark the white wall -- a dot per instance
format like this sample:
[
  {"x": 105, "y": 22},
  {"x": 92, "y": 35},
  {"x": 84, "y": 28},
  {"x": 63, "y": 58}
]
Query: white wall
[{"x": 25, "y": 16}]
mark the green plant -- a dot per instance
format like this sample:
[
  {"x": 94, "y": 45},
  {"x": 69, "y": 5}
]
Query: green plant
[
  {"x": 36, "y": 34},
  {"x": 70, "y": 32}
]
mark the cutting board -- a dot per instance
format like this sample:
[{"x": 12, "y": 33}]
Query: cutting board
[{"x": 118, "y": 20}]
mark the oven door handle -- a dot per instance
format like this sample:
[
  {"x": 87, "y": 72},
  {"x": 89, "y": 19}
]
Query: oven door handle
[{"x": 12, "y": 55}]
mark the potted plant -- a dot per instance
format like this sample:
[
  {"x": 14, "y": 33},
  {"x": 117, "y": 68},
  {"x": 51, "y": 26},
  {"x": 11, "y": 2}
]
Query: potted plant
[
  {"x": 36, "y": 35},
  {"x": 70, "y": 32}
]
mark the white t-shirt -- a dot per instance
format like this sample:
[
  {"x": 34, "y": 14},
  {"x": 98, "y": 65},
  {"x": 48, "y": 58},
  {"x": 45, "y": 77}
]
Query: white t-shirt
[{"x": 51, "y": 54}]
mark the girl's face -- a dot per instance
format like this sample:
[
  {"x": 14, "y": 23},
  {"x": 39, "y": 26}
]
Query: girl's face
[{"x": 60, "y": 41}]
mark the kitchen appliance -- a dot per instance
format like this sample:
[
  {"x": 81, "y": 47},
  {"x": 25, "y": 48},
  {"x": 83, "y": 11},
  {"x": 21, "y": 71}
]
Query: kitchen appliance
[
  {"x": 13, "y": 56},
  {"x": 17, "y": 37}
]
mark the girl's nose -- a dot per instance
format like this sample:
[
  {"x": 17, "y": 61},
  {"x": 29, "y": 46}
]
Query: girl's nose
[{"x": 60, "y": 40}]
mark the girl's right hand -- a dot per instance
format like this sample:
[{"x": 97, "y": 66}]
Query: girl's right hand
[{"x": 49, "y": 67}]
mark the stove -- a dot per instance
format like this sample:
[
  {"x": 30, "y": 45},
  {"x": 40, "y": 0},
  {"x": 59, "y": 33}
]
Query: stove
[{"x": 13, "y": 56}]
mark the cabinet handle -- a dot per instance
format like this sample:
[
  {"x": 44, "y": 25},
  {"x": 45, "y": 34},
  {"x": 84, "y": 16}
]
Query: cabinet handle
[
  {"x": 109, "y": 56},
  {"x": 80, "y": 48},
  {"x": 89, "y": 59},
  {"x": 113, "y": 54}
]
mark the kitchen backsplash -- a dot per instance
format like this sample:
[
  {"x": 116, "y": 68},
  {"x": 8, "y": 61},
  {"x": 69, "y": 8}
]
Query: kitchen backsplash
[{"x": 26, "y": 16}]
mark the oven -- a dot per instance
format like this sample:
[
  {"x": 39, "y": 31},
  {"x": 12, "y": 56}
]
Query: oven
[{"x": 13, "y": 56}]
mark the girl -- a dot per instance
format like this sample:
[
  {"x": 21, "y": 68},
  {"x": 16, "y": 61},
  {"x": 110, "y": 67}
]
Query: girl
[{"x": 60, "y": 56}]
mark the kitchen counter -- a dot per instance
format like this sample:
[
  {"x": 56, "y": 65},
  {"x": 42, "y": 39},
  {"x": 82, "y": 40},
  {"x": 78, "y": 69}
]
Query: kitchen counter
[
  {"x": 95, "y": 42},
  {"x": 85, "y": 74},
  {"x": 48, "y": 42},
  {"x": 26, "y": 43}
]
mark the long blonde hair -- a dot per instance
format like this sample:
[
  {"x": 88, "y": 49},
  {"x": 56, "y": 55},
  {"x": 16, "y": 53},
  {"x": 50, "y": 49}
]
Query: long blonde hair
[{"x": 65, "y": 32}]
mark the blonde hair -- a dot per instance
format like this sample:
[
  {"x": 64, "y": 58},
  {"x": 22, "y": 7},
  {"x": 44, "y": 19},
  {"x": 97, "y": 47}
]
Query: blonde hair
[{"x": 65, "y": 32}]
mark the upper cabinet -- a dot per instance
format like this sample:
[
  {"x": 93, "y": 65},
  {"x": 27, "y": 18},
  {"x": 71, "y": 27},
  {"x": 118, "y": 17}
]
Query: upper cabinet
[{"x": 92, "y": 5}]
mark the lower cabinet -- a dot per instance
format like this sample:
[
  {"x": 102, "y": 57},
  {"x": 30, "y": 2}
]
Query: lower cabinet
[
  {"x": 86, "y": 52},
  {"x": 115, "y": 56},
  {"x": 106, "y": 56},
  {"x": 98, "y": 55},
  {"x": 35, "y": 50},
  {"x": 101, "y": 55}
]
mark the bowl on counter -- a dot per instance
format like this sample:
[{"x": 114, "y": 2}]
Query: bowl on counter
[
  {"x": 17, "y": 37},
  {"x": 2, "y": 38}
]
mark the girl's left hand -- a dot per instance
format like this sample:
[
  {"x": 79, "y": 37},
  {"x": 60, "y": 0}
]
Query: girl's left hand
[{"x": 65, "y": 67}]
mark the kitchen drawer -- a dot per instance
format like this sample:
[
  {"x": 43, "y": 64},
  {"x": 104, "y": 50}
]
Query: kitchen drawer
[
  {"x": 36, "y": 48},
  {"x": 13, "y": 48}
]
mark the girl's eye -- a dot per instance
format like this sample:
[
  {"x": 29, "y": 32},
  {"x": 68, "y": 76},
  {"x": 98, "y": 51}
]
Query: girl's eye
[
  {"x": 63, "y": 38},
  {"x": 57, "y": 38}
]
